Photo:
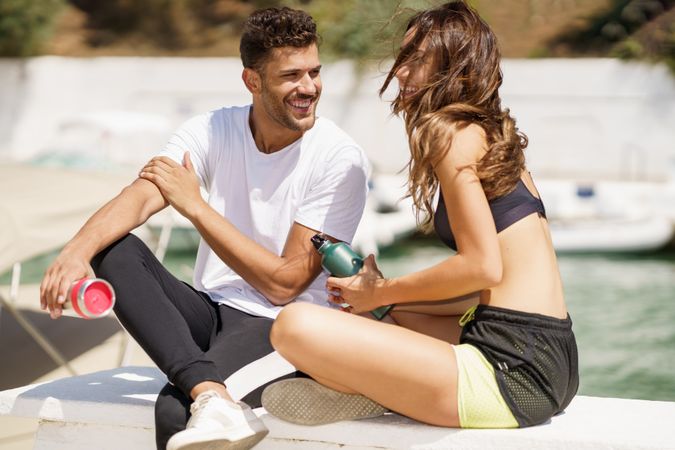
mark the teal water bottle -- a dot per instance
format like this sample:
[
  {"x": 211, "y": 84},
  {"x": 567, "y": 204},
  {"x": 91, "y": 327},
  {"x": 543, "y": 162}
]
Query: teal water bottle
[{"x": 342, "y": 261}]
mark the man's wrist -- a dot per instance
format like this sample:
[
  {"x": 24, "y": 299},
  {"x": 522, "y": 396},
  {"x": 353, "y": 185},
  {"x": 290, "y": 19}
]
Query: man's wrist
[
  {"x": 196, "y": 211},
  {"x": 77, "y": 250}
]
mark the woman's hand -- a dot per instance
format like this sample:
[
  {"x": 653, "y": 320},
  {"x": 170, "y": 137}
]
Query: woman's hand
[
  {"x": 360, "y": 290},
  {"x": 178, "y": 183}
]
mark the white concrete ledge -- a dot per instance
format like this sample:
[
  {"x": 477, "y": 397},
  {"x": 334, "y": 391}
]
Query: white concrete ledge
[
  {"x": 113, "y": 409},
  {"x": 121, "y": 397},
  {"x": 588, "y": 423}
]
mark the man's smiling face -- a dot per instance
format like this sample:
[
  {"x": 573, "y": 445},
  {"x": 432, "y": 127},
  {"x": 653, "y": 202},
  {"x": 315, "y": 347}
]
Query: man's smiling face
[{"x": 291, "y": 86}]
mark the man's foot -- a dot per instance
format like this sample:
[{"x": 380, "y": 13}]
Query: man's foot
[
  {"x": 220, "y": 424},
  {"x": 306, "y": 402}
]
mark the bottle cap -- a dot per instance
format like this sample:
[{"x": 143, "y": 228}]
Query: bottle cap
[
  {"x": 92, "y": 297},
  {"x": 99, "y": 298},
  {"x": 318, "y": 240}
]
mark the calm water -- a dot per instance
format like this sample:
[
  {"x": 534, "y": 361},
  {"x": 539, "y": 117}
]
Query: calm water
[{"x": 623, "y": 308}]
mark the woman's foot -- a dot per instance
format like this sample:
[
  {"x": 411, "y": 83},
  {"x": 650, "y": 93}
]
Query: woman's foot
[{"x": 306, "y": 402}]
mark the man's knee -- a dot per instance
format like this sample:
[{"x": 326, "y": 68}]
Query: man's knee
[{"x": 116, "y": 255}]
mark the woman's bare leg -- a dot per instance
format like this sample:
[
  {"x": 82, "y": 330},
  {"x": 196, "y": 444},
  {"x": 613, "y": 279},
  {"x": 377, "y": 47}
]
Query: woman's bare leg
[
  {"x": 451, "y": 307},
  {"x": 439, "y": 320},
  {"x": 405, "y": 371},
  {"x": 445, "y": 328}
]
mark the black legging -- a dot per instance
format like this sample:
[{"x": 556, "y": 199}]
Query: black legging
[{"x": 189, "y": 337}]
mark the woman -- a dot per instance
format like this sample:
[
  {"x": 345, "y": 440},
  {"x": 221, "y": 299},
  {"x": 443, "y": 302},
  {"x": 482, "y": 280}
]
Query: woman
[{"x": 515, "y": 364}]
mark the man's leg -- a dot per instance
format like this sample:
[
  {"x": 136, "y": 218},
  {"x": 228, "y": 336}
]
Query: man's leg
[
  {"x": 240, "y": 340},
  {"x": 172, "y": 411},
  {"x": 171, "y": 321}
]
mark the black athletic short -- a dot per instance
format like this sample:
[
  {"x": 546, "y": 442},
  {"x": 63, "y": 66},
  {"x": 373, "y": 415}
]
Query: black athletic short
[{"x": 534, "y": 357}]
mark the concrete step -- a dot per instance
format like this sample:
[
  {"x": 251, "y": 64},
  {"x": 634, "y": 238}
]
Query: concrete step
[{"x": 113, "y": 409}]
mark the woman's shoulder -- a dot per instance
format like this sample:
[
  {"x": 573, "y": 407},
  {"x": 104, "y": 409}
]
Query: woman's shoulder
[{"x": 469, "y": 144}]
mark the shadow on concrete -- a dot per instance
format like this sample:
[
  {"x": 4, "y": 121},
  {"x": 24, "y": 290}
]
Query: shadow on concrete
[
  {"x": 23, "y": 360},
  {"x": 123, "y": 385}
]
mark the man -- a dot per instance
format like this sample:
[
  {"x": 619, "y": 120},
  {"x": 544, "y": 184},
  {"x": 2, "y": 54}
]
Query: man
[{"x": 275, "y": 176}]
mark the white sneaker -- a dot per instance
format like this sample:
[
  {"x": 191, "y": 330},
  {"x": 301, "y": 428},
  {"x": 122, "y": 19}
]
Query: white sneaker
[{"x": 220, "y": 424}]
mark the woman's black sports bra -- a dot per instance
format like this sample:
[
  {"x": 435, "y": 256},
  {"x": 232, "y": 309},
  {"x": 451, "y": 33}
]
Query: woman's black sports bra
[{"x": 506, "y": 210}]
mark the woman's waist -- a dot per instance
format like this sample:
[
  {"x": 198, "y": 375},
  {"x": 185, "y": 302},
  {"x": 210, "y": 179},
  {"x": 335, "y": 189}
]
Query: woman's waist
[
  {"x": 508, "y": 316},
  {"x": 545, "y": 301}
]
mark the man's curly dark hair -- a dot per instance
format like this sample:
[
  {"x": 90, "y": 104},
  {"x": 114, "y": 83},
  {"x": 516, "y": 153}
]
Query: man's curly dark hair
[{"x": 271, "y": 28}]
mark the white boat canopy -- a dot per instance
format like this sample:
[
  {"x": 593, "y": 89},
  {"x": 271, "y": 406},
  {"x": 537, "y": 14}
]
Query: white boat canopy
[{"x": 42, "y": 208}]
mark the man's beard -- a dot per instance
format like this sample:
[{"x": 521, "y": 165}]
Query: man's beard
[{"x": 277, "y": 110}]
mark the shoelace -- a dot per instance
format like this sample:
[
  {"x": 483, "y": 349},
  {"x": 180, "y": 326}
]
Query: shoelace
[{"x": 200, "y": 402}]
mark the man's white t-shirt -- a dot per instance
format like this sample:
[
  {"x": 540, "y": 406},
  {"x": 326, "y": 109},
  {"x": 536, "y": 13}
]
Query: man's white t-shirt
[{"x": 319, "y": 181}]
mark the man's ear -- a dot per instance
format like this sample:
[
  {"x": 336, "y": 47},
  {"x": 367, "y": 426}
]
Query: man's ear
[{"x": 252, "y": 80}]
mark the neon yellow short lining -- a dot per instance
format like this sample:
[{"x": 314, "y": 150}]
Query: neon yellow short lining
[{"x": 480, "y": 404}]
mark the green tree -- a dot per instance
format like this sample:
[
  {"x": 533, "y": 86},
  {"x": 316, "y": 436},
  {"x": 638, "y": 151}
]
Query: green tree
[
  {"x": 364, "y": 30},
  {"x": 26, "y": 24}
]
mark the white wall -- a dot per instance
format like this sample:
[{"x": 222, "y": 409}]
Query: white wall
[{"x": 586, "y": 118}]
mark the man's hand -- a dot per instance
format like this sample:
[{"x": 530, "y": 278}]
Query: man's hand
[
  {"x": 58, "y": 278},
  {"x": 360, "y": 290},
  {"x": 119, "y": 216},
  {"x": 178, "y": 183}
]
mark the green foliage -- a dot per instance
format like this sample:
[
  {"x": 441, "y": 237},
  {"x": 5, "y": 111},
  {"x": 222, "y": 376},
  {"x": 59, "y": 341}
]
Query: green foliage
[
  {"x": 656, "y": 43},
  {"x": 26, "y": 24},
  {"x": 612, "y": 25},
  {"x": 539, "y": 52},
  {"x": 628, "y": 49},
  {"x": 669, "y": 56},
  {"x": 364, "y": 30},
  {"x": 627, "y": 29},
  {"x": 351, "y": 31},
  {"x": 368, "y": 31},
  {"x": 169, "y": 24}
]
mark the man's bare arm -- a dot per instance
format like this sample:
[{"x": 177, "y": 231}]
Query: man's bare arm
[
  {"x": 280, "y": 278},
  {"x": 131, "y": 208}
]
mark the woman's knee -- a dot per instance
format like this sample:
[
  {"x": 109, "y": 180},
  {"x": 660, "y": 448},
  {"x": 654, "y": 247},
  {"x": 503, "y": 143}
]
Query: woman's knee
[{"x": 294, "y": 323}]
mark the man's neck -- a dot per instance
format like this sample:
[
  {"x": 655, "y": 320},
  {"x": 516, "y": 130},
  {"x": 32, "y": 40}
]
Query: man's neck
[{"x": 269, "y": 136}]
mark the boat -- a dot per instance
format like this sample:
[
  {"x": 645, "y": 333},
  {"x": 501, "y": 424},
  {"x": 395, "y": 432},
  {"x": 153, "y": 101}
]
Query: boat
[
  {"x": 584, "y": 217},
  {"x": 609, "y": 217},
  {"x": 103, "y": 140},
  {"x": 611, "y": 235}
]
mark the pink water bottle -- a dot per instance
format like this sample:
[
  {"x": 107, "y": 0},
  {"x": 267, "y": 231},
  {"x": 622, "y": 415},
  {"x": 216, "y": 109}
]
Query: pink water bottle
[{"x": 91, "y": 298}]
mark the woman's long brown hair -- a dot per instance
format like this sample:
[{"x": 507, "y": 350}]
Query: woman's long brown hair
[{"x": 462, "y": 90}]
